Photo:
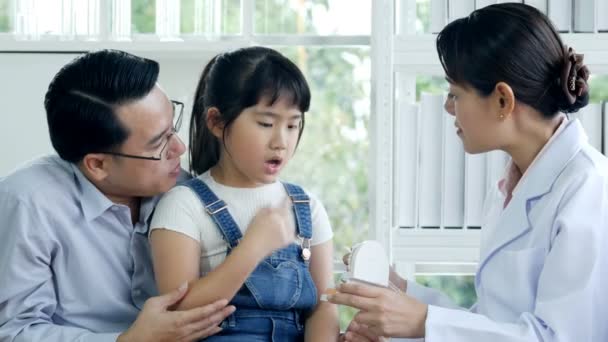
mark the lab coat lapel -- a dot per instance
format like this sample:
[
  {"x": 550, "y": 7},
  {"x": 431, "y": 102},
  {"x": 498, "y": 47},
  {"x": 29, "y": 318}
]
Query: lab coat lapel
[{"x": 514, "y": 221}]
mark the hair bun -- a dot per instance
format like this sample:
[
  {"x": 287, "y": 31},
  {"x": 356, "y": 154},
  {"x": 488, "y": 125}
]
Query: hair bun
[{"x": 573, "y": 82}]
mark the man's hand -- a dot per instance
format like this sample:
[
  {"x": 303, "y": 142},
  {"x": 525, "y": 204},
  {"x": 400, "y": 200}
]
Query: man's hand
[{"x": 157, "y": 323}]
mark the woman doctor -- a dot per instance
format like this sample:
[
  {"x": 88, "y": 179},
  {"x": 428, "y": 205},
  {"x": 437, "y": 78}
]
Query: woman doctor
[{"x": 543, "y": 271}]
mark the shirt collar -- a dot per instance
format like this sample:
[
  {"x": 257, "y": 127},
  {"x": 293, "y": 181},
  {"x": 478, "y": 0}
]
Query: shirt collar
[
  {"x": 94, "y": 203},
  {"x": 508, "y": 185}
]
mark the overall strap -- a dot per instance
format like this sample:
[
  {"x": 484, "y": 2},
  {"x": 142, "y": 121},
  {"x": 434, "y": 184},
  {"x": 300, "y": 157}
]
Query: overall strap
[
  {"x": 218, "y": 211},
  {"x": 301, "y": 209}
]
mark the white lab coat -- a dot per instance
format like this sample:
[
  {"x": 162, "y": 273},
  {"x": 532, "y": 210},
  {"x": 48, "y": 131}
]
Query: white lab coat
[{"x": 543, "y": 271}]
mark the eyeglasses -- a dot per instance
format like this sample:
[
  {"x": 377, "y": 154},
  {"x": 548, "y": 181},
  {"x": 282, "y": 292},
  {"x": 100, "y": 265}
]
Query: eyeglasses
[{"x": 178, "y": 107}]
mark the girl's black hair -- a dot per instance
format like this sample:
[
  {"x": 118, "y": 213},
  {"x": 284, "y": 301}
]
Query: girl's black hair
[{"x": 237, "y": 80}]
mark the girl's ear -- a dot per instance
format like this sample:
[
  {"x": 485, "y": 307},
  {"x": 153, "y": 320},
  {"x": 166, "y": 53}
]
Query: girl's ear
[{"x": 214, "y": 121}]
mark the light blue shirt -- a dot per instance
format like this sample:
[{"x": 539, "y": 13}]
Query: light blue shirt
[{"x": 73, "y": 267}]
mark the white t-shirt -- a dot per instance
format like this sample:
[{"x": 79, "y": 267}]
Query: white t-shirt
[{"x": 182, "y": 211}]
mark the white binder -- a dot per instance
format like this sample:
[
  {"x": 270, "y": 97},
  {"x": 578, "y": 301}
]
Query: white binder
[
  {"x": 431, "y": 116},
  {"x": 406, "y": 163},
  {"x": 601, "y": 18},
  {"x": 584, "y": 15},
  {"x": 605, "y": 121},
  {"x": 483, "y": 3},
  {"x": 475, "y": 189},
  {"x": 590, "y": 117},
  {"x": 453, "y": 176},
  {"x": 541, "y": 5},
  {"x": 439, "y": 15},
  {"x": 560, "y": 13},
  {"x": 460, "y": 9}
]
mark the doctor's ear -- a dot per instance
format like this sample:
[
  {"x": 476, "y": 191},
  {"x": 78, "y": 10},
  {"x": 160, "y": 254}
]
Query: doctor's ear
[{"x": 505, "y": 97}]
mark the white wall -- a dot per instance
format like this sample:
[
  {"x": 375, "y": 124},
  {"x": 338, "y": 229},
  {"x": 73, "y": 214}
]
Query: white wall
[{"x": 24, "y": 78}]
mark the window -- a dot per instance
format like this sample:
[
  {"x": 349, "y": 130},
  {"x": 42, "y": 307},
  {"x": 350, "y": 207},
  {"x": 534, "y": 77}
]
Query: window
[
  {"x": 5, "y": 17},
  {"x": 333, "y": 54}
]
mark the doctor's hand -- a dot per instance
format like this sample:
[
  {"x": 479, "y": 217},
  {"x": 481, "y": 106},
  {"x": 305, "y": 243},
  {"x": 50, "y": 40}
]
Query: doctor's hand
[
  {"x": 359, "y": 333},
  {"x": 270, "y": 229},
  {"x": 385, "y": 312}
]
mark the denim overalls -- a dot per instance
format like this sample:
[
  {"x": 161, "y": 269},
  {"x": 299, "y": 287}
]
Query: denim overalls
[{"x": 277, "y": 297}]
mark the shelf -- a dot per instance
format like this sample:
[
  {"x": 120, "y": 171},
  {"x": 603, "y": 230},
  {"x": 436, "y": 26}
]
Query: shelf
[
  {"x": 190, "y": 47},
  {"x": 416, "y": 54}
]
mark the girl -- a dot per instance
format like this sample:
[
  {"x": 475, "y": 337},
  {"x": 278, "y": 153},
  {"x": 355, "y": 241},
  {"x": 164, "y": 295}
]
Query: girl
[
  {"x": 544, "y": 263},
  {"x": 246, "y": 122}
]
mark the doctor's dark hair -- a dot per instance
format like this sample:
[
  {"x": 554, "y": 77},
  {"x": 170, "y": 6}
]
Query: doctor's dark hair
[
  {"x": 516, "y": 44},
  {"x": 82, "y": 99},
  {"x": 234, "y": 81}
]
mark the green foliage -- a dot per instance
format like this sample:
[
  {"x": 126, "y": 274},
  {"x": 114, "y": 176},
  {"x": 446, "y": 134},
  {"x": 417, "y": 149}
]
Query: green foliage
[
  {"x": 423, "y": 15},
  {"x": 460, "y": 289},
  {"x": 230, "y": 17},
  {"x": 430, "y": 84},
  {"x": 598, "y": 86},
  {"x": 144, "y": 16},
  {"x": 5, "y": 23}
]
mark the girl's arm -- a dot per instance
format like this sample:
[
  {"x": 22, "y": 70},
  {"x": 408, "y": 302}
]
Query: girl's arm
[
  {"x": 177, "y": 258},
  {"x": 322, "y": 325}
]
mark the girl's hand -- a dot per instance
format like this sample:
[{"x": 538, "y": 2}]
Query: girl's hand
[
  {"x": 271, "y": 229},
  {"x": 385, "y": 312}
]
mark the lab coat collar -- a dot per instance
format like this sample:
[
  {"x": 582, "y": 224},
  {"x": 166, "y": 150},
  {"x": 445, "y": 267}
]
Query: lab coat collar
[{"x": 514, "y": 220}]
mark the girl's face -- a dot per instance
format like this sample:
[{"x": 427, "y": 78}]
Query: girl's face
[
  {"x": 477, "y": 118},
  {"x": 259, "y": 143}
]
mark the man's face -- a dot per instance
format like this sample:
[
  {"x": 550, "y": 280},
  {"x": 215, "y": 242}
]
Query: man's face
[{"x": 150, "y": 122}]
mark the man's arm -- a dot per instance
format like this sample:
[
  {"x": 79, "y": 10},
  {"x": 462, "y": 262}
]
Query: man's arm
[{"x": 28, "y": 296}]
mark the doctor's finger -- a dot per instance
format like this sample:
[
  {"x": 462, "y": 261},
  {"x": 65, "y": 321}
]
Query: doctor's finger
[
  {"x": 371, "y": 320},
  {"x": 362, "y": 331},
  {"x": 354, "y": 301},
  {"x": 346, "y": 259},
  {"x": 350, "y": 336},
  {"x": 362, "y": 290}
]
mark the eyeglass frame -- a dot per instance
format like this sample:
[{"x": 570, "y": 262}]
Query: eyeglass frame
[{"x": 176, "y": 127}]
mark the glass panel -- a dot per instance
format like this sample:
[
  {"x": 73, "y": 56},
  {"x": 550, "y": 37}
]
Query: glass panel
[
  {"x": 323, "y": 17},
  {"x": 211, "y": 17},
  {"x": 35, "y": 18},
  {"x": 430, "y": 84},
  {"x": 423, "y": 16},
  {"x": 143, "y": 16},
  {"x": 121, "y": 20},
  {"x": 598, "y": 85},
  {"x": 81, "y": 18},
  {"x": 5, "y": 16},
  {"x": 336, "y": 137},
  {"x": 460, "y": 288}
]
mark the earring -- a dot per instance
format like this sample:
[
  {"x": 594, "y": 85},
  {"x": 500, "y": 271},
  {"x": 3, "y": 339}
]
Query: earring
[{"x": 501, "y": 116}]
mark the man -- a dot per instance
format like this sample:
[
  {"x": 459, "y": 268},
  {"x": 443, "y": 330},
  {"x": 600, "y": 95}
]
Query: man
[{"x": 74, "y": 258}]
